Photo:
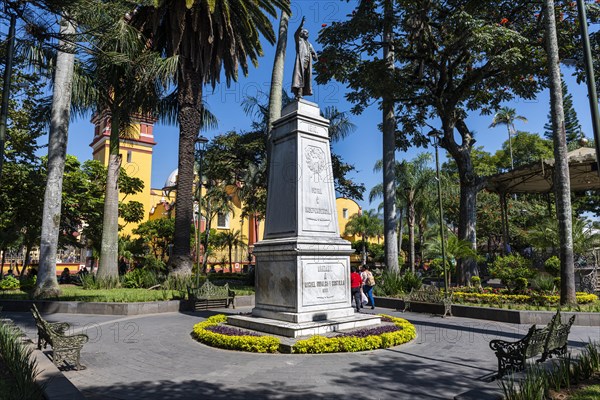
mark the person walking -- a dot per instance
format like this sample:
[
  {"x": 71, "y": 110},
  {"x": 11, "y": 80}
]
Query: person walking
[
  {"x": 368, "y": 282},
  {"x": 355, "y": 284}
]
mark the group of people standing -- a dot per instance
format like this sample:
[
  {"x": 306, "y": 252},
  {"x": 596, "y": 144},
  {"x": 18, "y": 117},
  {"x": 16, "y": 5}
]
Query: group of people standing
[{"x": 361, "y": 284}]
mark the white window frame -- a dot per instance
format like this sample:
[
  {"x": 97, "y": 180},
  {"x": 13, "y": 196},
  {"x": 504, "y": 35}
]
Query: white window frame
[{"x": 226, "y": 225}]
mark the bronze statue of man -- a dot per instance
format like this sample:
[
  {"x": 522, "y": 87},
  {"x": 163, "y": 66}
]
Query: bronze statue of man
[{"x": 305, "y": 54}]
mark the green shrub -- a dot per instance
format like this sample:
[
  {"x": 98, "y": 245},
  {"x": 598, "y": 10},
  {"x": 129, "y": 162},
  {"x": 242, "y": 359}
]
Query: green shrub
[
  {"x": 9, "y": 283},
  {"x": 476, "y": 281},
  {"x": 19, "y": 363},
  {"x": 557, "y": 282},
  {"x": 510, "y": 268},
  {"x": 140, "y": 278},
  {"x": 544, "y": 283},
  {"x": 410, "y": 281},
  {"x": 154, "y": 264},
  {"x": 552, "y": 266},
  {"x": 521, "y": 283},
  {"x": 393, "y": 283},
  {"x": 28, "y": 283}
]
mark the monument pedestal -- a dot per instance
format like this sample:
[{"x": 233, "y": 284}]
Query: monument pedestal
[{"x": 302, "y": 265}]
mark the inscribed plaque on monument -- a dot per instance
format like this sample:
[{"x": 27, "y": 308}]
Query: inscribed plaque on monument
[
  {"x": 324, "y": 283},
  {"x": 318, "y": 208}
]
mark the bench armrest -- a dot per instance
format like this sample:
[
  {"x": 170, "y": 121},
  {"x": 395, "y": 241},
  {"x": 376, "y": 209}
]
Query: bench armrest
[
  {"x": 59, "y": 327},
  {"x": 504, "y": 347},
  {"x": 63, "y": 341}
]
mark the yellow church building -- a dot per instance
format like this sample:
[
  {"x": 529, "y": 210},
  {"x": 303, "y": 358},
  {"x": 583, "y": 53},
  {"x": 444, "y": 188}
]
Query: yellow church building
[{"x": 136, "y": 154}]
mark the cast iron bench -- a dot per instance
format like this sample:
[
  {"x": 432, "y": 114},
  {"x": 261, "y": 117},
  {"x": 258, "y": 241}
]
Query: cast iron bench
[
  {"x": 211, "y": 296},
  {"x": 547, "y": 341},
  {"x": 428, "y": 294},
  {"x": 65, "y": 348}
]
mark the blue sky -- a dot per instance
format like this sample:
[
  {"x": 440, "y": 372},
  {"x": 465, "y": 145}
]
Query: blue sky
[{"x": 364, "y": 146}]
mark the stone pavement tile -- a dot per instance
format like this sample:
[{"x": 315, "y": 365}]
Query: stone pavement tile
[{"x": 154, "y": 357}]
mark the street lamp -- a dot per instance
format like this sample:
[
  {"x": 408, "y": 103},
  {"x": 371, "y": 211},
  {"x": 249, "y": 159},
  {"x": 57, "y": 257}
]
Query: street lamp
[
  {"x": 200, "y": 145},
  {"x": 435, "y": 137}
]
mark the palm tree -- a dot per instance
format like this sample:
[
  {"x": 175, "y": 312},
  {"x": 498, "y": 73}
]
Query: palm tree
[
  {"x": 275, "y": 93},
  {"x": 455, "y": 249},
  {"x": 367, "y": 225},
  {"x": 209, "y": 37},
  {"x": 231, "y": 239},
  {"x": 412, "y": 180},
  {"x": 124, "y": 78},
  {"x": 562, "y": 182},
  {"x": 47, "y": 285},
  {"x": 507, "y": 116}
]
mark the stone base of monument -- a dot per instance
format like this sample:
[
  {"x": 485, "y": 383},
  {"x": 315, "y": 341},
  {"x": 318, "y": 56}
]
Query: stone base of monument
[{"x": 294, "y": 330}]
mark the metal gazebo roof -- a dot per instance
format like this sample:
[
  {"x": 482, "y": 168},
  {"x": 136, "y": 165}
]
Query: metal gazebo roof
[{"x": 538, "y": 177}]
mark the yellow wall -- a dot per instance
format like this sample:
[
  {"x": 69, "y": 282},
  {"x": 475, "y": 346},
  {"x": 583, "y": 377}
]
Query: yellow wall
[
  {"x": 351, "y": 208},
  {"x": 136, "y": 158}
]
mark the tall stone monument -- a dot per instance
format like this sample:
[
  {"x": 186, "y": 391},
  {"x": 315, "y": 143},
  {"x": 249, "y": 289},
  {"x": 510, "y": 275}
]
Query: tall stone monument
[{"x": 302, "y": 265}]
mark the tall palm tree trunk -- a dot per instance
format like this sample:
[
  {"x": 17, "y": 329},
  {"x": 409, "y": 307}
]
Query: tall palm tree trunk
[
  {"x": 109, "y": 248},
  {"x": 389, "y": 149},
  {"x": 277, "y": 80},
  {"x": 47, "y": 284},
  {"x": 189, "y": 98},
  {"x": 562, "y": 182}
]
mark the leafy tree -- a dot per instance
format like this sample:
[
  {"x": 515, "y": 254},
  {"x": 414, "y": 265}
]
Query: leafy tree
[
  {"x": 209, "y": 38},
  {"x": 157, "y": 234},
  {"x": 453, "y": 58},
  {"x": 366, "y": 224},
  {"x": 124, "y": 79},
  {"x": 21, "y": 191},
  {"x": 527, "y": 148},
  {"x": 362, "y": 53},
  {"x": 507, "y": 116}
]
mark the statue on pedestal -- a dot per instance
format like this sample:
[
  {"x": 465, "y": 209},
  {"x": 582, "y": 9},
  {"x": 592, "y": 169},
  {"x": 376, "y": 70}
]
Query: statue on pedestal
[{"x": 305, "y": 54}]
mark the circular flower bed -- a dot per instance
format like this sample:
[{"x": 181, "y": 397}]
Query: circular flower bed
[
  {"x": 397, "y": 331},
  {"x": 212, "y": 333}
]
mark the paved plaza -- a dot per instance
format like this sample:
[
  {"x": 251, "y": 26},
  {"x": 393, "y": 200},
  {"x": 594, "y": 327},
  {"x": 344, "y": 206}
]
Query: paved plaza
[{"x": 154, "y": 357}]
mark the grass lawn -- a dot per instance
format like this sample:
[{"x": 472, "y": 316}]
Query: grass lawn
[
  {"x": 77, "y": 293},
  {"x": 587, "y": 393}
]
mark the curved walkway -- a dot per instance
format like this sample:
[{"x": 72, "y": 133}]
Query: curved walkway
[{"x": 154, "y": 357}]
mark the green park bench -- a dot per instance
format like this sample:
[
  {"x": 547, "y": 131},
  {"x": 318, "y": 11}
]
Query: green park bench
[
  {"x": 211, "y": 296},
  {"x": 547, "y": 341},
  {"x": 430, "y": 295},
  {"x": 65, "y": 348}
]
